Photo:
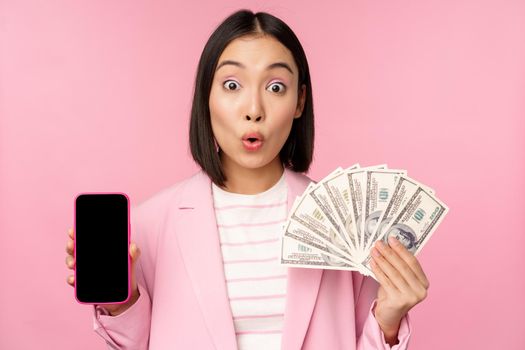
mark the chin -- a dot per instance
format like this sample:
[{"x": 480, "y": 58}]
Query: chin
[
  {"x": 253, "y": 165},
  {"x": 249, "y": 160},
  {"x": 254, "y": 162}
]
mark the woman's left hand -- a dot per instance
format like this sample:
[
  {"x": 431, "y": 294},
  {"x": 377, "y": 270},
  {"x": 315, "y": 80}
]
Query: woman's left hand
[{"x": 403, "y": 284}]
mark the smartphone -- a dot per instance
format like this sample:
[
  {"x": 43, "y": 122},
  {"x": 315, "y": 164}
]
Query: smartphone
[{"x": 102, "y": 236}]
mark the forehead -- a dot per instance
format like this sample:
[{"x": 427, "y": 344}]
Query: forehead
[{"x": 257, "y": 52}]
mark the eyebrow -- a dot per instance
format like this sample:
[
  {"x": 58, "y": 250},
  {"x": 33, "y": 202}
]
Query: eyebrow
[{"x": 240, "y": 65}]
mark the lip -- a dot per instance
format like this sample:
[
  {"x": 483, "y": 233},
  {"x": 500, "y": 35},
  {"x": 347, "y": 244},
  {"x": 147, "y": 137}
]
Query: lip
[
  {"x": 255, "y": 145},
  {"x": 254, "y": 135}
]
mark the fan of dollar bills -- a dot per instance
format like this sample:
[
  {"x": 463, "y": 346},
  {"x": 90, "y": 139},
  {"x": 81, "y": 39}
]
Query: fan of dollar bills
[{"x": 335, "y": 222}]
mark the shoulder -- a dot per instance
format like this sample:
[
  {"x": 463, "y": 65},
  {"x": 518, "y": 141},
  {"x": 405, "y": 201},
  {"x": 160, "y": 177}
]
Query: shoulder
[
  {"x": 171, "y": 195},
  {"x": 300, "y": 177},
  {"x": 298, "y": 182},
  {"x": 149, "y": 216},
  {"x": 154, "y": 208}
]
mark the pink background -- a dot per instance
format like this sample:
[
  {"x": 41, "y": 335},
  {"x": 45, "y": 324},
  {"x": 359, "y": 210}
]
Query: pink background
[{"x": 95, "y": 96}]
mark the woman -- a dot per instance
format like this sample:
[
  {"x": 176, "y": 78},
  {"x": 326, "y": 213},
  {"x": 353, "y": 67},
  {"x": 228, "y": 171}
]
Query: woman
[{"x": 208, "y": 276}]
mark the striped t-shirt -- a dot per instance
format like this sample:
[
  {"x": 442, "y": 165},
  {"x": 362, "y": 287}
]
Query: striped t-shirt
[{"x": 249, "y": 228}]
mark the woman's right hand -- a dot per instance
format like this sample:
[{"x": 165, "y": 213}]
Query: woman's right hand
[{"x": 114, "y": 309}]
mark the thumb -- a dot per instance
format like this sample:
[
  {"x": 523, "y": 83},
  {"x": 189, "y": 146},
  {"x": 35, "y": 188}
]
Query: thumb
[{"x": 134, "y": 252}]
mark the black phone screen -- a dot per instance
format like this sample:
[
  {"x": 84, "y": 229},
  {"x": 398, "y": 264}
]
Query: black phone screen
[{"x": 101, "y": 248}]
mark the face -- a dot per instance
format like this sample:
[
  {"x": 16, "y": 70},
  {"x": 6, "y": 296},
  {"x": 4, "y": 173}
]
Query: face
[
  {"x": 403, "y": 237},
  {"x": 254, "y": 95}
]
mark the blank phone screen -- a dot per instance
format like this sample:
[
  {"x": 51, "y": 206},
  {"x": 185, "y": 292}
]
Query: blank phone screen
[{"x": 101, "y": 248}]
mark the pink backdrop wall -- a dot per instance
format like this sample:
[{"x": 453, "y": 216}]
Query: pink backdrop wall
[{"x": 95, "y": 96}]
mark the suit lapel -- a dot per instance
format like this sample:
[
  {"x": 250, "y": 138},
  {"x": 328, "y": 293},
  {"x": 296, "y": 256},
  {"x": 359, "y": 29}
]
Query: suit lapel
[
  {"x": 302, "y": 285},
  {"x": 199, "y": 242},
  {"x": 198, "y": 238}
]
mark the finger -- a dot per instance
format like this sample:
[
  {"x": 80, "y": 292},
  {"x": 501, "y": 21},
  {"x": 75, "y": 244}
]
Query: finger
[
  {"x": 70, "y": 262},
  {"x": 382, "y": 278},
  {"x": 70, "y": 233},
  {"x": 410, "y": 259},
  {"x": 390, "y": 271},
  {"x": 70, "y": 246},
  {"x": 71, "y": 280},
  {"x": 401, "y": 266}
]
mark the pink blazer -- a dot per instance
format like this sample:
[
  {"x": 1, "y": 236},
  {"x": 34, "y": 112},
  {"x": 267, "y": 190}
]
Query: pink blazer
[{"x": 183, "y": 301}]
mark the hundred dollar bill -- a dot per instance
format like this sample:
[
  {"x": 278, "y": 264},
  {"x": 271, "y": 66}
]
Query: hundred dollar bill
[
  {"x": 297, "y": 254},
  {"x": 335, "y": 222},
  {"x": 308, "y": 214},
  {"x": 414, "y": 224},
  {"x": 356, "y": 183},
  {"x": 329, "y": 194},
  {"x": 404, "y": 189},
  {"x": 302, "y": 234},
  {"x": 380, "y": 184}
]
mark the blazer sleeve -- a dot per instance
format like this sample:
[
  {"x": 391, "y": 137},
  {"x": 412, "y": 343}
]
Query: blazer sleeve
[
  {"x": 369, "y": 334},
  {"x": 130, "y": 329}
]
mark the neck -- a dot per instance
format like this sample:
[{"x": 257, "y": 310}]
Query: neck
[{"x": 252, "y": 181}]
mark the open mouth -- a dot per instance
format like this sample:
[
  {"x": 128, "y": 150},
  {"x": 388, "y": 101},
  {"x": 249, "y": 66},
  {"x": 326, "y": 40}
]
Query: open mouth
[
  {"x": 252, "y": 136},
  {"x": 252, "y": 143}
]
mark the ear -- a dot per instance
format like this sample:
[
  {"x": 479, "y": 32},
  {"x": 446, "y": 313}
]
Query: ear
[{"x": 300, "y": 102}]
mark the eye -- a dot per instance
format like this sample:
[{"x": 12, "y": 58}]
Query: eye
[
  {"x": 230, "y": 84},
  {"x": 277, "y": 87}
]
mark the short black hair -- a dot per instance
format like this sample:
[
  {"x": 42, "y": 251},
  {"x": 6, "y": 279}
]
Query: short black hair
[{"x": 297, "y": 152}]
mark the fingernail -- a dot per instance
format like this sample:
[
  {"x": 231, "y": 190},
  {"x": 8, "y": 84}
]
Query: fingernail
[
  {"x": 392, "y": 240},
  {"x": 375, "y": 252}
]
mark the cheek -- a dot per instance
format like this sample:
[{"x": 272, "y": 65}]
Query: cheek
[
  {"x": 220, "y": 111},
  {"x": 284, "y": 117},
  {"x": 216, "y": 106},
  {"x": 281, "y": 131},
  {"x": 219, "y": 129}
]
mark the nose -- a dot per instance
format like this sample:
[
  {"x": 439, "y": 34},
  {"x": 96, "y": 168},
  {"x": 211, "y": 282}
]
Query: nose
[
  {"x": 255, "y": 110},
  {"x": 257, "y": 119}
]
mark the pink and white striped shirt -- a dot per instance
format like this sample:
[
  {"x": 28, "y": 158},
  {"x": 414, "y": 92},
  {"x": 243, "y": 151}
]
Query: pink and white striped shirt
[{"x": 249, "y": 228}]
